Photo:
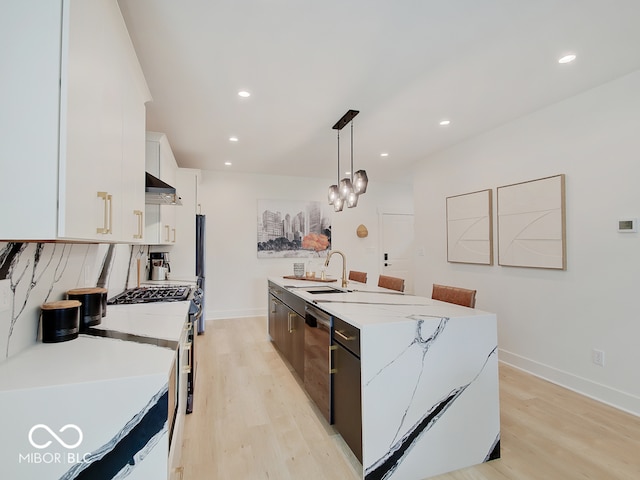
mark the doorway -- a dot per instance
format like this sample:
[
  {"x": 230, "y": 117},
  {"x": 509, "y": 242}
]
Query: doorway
[{"x": 397, "y": 259}]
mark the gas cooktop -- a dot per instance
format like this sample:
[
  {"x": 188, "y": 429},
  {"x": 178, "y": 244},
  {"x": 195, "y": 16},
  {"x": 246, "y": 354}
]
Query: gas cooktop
[{"x": 151, "y": 293}]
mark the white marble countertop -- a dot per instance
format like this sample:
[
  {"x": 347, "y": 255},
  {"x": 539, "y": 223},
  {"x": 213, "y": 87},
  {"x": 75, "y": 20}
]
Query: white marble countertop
[
  {"x": 84, "y": 359},
  {"x": 92, "y": 358},
  {"x": 161, "y": 320},
  {"x": 439, "y": 360},
  {"x": 362, "y": 305}
]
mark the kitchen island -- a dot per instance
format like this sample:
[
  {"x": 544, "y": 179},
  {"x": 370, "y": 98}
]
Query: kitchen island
[{"x": 428, "y": 379}]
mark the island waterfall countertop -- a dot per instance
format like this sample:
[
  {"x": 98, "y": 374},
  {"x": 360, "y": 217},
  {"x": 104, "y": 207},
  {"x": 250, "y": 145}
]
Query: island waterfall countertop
[
  {"x": 72, "y": 403},
  {"x": 429, "y": 379},
  {"x": 89, "y": 358}
]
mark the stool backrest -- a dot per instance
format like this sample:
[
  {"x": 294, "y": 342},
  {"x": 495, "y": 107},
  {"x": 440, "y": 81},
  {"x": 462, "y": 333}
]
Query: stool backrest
[
  {"x": 457, "y": 295},
  {"x": 358, "y": 276},
  {"x": 393, "y": 283}
]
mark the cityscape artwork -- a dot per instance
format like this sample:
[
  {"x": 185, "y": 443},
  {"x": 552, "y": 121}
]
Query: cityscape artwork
[{"x": 293, "y": 229}]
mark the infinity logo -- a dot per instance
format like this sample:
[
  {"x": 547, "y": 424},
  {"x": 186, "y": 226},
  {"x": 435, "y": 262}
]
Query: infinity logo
[{"x": 52, "y": 433}]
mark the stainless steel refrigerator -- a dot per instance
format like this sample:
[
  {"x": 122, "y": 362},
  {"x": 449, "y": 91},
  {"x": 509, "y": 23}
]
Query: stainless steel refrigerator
[{"x": 201, "y": 266}]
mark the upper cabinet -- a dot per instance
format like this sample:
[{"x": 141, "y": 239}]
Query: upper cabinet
[
  {"x": 72, "y": 157},
  {"x": 161, "y": 228}
]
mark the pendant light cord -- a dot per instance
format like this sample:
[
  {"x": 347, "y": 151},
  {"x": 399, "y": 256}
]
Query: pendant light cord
[{"x": 338, "y": 157}]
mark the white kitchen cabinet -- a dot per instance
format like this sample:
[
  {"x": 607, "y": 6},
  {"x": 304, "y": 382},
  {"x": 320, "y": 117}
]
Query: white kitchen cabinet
[
  {"x": 160, "y": 225},
  {"x": 72, "y": 158},
  {"x": 183, "y": 253}
]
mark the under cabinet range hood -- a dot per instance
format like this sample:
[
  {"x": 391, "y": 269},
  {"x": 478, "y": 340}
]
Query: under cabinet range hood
[{"x": 158, "y": 192}]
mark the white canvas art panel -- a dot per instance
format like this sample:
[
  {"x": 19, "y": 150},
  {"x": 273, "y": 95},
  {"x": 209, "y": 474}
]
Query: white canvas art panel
[
  {"x": 531, "y": 224},
  {"x": 469, "y": 228}
]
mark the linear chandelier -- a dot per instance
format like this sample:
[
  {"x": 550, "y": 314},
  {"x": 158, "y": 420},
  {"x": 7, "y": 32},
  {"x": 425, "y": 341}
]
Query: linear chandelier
[{"x": 349, "y": 189}]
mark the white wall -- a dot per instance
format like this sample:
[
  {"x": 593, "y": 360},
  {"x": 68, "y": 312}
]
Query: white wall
[
  {"x": 549, "y": 321},
  {"x": 236, "y": 278}
]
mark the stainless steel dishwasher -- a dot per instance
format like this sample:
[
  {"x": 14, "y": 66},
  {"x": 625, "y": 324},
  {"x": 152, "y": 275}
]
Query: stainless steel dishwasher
[
  {"x": 347, "y": 396},
  {"x": 317, "y": 344}
]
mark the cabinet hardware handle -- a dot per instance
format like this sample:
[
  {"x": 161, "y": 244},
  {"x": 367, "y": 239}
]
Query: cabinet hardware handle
[
  {"x": 167, "y": 231},
  {"x": 274, "y": 305},
  {"x": 343, "y": 336},
  {"x": 290, "y": 316},
  {"x": 174, "y": 235},
  {"x": 110, "y": 201},
  {"x": 105, "y": 226},
  {"x": 331, "y": 349},
  {"x": 187, "y": 367},
  {"x": 139, "y": 214}
]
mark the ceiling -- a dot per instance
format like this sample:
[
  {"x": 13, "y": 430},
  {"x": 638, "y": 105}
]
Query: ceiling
[{"x": 404, "y": 64}]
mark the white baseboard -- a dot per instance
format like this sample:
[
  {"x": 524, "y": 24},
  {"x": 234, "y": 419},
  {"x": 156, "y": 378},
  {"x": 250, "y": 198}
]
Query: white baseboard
[{"x": 610, "y": 396}]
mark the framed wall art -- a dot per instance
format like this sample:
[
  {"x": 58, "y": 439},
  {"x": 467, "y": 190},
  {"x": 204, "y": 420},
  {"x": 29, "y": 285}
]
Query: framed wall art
[
  {"x": 470, "y": 228},
  {"x": 531, "y": 224},
  {"x": 293, "y": 229}
]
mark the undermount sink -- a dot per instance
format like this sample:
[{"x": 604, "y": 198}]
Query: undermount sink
[{"x": 318, "y": 289}]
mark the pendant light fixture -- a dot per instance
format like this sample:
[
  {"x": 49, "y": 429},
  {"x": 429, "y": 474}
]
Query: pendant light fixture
[{"x": 350, "y": 188}]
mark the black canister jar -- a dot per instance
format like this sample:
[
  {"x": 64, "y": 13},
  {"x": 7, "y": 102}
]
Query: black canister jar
[
  {"x": 60, "y": 321},
  {"x": 91, "y": 309}
]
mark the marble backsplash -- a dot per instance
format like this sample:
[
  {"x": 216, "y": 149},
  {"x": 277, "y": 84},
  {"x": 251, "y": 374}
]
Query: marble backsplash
[{"x": 35, "y": 273}]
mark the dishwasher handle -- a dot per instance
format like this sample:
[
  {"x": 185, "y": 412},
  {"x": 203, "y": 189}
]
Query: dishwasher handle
[{"x": 320, "y": 317}]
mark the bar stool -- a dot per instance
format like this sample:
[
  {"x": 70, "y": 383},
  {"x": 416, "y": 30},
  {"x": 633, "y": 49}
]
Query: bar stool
[
  {"x": 457, "y": 295},
  {"x": 392, "y": 283},
  {"x": 358, "y": 276}
]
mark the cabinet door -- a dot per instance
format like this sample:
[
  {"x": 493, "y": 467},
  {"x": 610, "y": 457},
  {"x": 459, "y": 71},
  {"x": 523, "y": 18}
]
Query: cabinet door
[
  {"x": 183, "y": 252},
  {"x": 30, "y": 35},
  {"x": 102, "y": 118},
  {"x": 160, "y": 162},
  {"x": 273, "y": 310},
  {"x": 133, "y": 206},
  {"x": 347, "y": 400},
  {"x": 133, "y": 161},
  {"x": 90, "y": 122},
  {"x": 295, "y": 341},
  {"x": 168, "y": 174}
]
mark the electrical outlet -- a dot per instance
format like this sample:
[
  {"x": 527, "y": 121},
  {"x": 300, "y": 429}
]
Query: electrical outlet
[
  {"x": 598, "y": 357},
  {"x": 5, "y": 295}
]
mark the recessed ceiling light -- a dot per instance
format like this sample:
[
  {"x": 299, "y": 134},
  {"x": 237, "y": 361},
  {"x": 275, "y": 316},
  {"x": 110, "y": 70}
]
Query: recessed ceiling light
[
  {"x": 244, "y": 94},
  {"x": 444, "y": 123},
  {"x": 233, "y": 139},
  {"x": 567, "y": 58},
  {"x": 384, "y": 154},
  {"x": 228, "y": 164}
]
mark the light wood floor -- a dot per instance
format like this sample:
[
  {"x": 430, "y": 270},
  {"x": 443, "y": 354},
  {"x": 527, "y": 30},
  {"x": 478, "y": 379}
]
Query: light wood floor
[{"x": 252, "y": 420}]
